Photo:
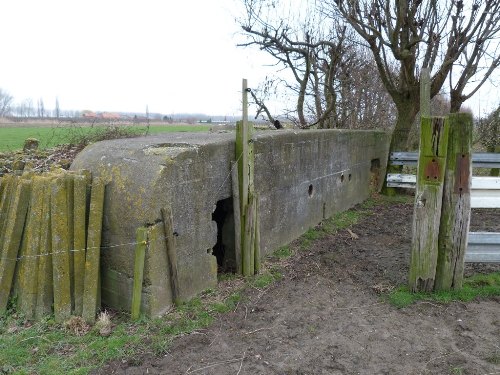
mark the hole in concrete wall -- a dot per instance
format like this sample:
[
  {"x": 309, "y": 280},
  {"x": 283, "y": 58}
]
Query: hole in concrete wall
[
  {"x": 375, "y": 165},
  {"x": 224, "y": 248},
  {"x": 310, "y": 191},
  {"x": 350, "y": 177},
  {"x": 342, "y": 177}
]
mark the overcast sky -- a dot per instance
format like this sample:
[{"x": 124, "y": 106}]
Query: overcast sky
[{"x": 123, "y": 55}]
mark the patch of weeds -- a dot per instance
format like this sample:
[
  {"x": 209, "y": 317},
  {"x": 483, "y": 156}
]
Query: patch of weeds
[
  {"x": 229, "y": 304},
  {"x": 267, "y": 278},
  {"x": 481, "y": 285},
  {"x": 283, "y": 252},
  {"x": 457, "y": 371}
]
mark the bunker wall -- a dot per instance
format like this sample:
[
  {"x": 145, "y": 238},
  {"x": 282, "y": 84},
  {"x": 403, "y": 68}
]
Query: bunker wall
[{"x": 302, "y": 177}]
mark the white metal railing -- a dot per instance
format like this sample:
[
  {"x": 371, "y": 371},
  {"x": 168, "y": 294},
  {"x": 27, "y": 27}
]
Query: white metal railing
[{"x": 485, "y": 193}]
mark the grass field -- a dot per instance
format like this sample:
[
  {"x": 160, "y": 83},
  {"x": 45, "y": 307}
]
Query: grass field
[{"x": 12, "y": 138}]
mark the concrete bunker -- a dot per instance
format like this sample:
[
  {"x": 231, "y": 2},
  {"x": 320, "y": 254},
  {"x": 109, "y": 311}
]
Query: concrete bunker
[{"x": 302, "y": 177}]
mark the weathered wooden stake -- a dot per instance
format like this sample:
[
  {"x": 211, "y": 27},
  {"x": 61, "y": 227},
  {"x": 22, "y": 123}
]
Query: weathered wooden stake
[
  {"x": 428, "y": 202},
  {"x": 93, "y": 254},
  {"x": 12, "y": 240},
  {"x": 455, "y": 212},
  {"x": 45, "y": 290},
  {"x": 166, "y": 214},
  {"x": 28, "y": 270},
  {"x": 80, "y": 241},
  {"x": 140, "y": 254},
  {"x": 237, "y": 217},
  {"x": 245, "y": 157},
  {"x": 257, "y": 235},
  {"x": 9, "y": 183},
  {"x": 60, "y": 249}
]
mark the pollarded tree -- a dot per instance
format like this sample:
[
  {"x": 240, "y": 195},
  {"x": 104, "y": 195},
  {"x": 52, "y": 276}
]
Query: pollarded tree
[{"x": 416, "y": 34}]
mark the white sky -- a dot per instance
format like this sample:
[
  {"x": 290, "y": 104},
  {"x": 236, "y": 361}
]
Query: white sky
[{"x": 121, "y": 55}]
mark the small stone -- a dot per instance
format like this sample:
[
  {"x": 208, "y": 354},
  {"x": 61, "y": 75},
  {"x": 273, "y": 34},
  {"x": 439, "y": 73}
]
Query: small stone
[{"x": 31, "y": 144}]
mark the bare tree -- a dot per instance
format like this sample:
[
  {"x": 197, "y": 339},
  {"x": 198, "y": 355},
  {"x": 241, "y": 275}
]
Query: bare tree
[
  {"x": 5, "y": 103},
  {"x": 321, "y": 68},
  {"x": 415, "y": 34},
  {"x": 57, "y": 110}
]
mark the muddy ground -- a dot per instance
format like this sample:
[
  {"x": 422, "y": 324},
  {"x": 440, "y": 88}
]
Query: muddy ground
[{"x": 326, "y": 316}]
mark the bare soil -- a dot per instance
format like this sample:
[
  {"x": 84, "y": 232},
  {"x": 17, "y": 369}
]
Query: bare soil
[{"x": 327, "y": 315}]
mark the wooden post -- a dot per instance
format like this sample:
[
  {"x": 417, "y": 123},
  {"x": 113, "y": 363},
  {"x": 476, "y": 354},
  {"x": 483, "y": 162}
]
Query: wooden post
[
  {"x": 425, "y": 93},
  {"x": 257, "y": 235},
  {"x": 9, "y": 183},
  {"x": 92, "y": 259},
  {"x": 166, "y": 214},
  {"x": 45, "y": 292},
  {"x": 428, "y": 202},
  {"x": 80, "y": 241},
  {"x": 28, "y": 270},
  {"x": 140, "y": 254},
  {"x": 455, "y": 213},
  {"x": 12, "y": 240},
  {"x": 60, "y": 249},
  {"x": 245, "y": 158},
  {"x": 237, "y": 217}
]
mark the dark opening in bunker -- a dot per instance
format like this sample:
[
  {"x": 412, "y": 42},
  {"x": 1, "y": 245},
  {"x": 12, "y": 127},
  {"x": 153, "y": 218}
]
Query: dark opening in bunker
[{"x": 224, "y": 248}]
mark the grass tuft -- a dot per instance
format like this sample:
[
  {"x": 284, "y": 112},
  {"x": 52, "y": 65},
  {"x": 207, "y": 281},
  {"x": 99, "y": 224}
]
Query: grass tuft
[{"x": 477, "y": 286}]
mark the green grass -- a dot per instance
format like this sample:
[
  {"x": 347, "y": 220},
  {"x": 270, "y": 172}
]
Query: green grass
[
  {"x": 481, "y": 285},
  {"x": 48, "y": 348},
  {"x": 12, "y": 138}
]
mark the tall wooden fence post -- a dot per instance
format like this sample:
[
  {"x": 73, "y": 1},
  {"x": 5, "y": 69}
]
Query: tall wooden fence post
[
  {"x": 428, "y": 202},
  {"x": 245, "y": 157},
  {"x": 455, "y": 212}
]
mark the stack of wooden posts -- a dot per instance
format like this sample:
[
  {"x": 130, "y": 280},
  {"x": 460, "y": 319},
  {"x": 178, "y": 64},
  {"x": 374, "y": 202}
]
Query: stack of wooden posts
[{"x": 50, "y": 234}]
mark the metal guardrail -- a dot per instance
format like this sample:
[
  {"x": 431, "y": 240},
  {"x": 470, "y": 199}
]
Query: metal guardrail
[
  {"x": 483, "y": 247},
  {"x": 479, "y": 160},
  {"x": 485, "y": 191}
]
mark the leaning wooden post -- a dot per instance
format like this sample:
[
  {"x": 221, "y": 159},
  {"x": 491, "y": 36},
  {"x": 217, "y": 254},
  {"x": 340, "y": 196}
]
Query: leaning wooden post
[
  {"x": 455, "y": 213},
  {"x": 428, "y": 201}
]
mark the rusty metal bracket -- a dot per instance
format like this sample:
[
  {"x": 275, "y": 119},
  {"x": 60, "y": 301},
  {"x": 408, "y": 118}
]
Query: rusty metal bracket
[
  {"x": 432, "y": 170},
  {"x": 462, "y": 173}
]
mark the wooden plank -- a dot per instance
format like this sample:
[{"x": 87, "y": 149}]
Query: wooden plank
[
  {"x": 60, "y": 249},
  {"x": 9, "y": 182},
  {"x": 12, "y": 240},
  {"x": 80, "y": 240},
  {"x": 93, "y": 254},
  {"x": 166, "y": 214},
  {"x": 28, "y": 272},
  {"x": 69, "y": 177},
  {"x": 257, "y": 235},
  {"x": 140, "y": 254},
  {"x": 237, "y": 217},
  {"x": 45, "y": 291},
  {"x": 428, "y": 201},
  {"x": 455, "y": 212},
  {"x": 248, "y": 262}
]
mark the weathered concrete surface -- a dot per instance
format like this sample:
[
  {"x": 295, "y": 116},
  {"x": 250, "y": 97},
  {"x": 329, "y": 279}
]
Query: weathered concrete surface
[{"x": 301, "y": 177}]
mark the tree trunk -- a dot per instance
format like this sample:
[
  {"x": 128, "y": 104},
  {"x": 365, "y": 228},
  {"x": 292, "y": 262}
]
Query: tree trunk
[{"x": 407, "y": 111}]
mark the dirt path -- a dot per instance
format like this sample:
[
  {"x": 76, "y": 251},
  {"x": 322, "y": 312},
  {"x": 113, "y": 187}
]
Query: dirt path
[{"x": 326, "y": 316}]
